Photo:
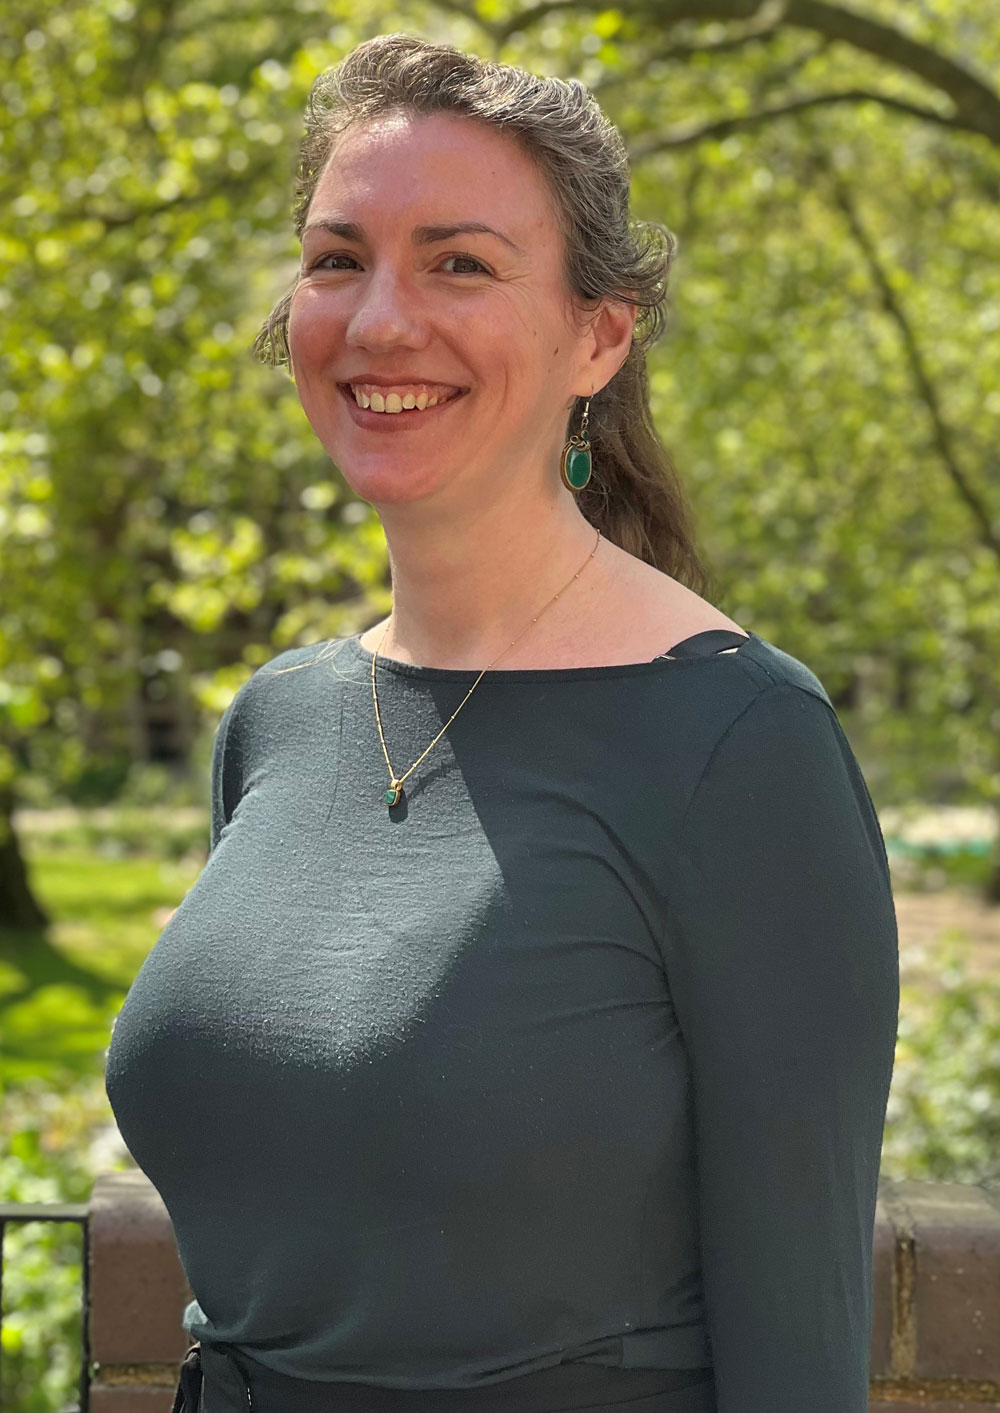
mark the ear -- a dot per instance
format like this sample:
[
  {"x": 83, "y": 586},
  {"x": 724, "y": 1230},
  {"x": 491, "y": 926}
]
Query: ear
[{"x": 609, "y": 338}]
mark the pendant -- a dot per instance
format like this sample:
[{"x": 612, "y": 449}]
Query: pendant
[
  {"x": 575, "y": 467},
  {"x": 394, "y": 794}
]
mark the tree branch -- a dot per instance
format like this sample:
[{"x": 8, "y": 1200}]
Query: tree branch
[
  {"x": 685, "y": 134},
  {"x": 673, "y": 52},
  {"x": 976, "y": 104},
  {"x": 942, "y": 435}
]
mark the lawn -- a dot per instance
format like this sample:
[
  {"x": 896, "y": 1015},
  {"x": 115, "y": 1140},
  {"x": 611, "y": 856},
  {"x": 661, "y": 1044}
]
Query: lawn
[{"x": 59, "y": 994}]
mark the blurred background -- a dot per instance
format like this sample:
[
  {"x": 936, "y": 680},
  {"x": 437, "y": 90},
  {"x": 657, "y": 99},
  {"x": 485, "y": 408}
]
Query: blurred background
[{"x": 829, "y": 386}]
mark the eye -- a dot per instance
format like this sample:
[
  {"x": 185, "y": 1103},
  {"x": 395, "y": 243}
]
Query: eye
[
  {"x": 318, "y": 264},
  {"x": 321, "y": 263},
  {"x": 470, "y": 261}
]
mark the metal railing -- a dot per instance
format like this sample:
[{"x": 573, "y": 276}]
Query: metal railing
[{"x": 53, "y": 1212}]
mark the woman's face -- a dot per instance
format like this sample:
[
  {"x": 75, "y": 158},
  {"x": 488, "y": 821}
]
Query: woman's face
[{"x": 393, "y": 298}]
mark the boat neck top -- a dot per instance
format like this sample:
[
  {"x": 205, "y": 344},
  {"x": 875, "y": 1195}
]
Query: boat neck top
[
  {"x": 580, "y": 1054},
  {"x": 697, "y": 648}
]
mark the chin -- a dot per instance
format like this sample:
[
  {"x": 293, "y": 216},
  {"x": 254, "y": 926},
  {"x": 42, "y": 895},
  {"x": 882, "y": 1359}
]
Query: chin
[{"x": 390, "y": 484}]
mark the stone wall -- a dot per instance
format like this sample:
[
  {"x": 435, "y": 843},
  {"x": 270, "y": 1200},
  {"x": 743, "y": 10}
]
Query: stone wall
[{"x": 935, "y": 1329}]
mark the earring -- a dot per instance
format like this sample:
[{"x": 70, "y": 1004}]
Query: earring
[{"x": 576, "y": 467}]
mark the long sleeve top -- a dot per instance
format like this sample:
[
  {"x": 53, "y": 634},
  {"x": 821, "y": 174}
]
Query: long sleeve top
[{"x": 579, "y": 1053}]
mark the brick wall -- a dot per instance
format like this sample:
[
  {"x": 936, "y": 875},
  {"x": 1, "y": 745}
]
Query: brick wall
[{"x": 935, "y": 1331}]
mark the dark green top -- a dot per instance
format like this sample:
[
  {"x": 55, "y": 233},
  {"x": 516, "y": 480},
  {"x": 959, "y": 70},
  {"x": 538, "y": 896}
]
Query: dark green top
[{"x": 580, "y": 1052}]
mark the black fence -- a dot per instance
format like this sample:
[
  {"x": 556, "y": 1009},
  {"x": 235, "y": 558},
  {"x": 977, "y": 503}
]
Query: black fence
[{"x": 53, "y": 1212}]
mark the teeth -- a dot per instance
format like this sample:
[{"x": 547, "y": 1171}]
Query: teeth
[{"x": 394, "y": 402}]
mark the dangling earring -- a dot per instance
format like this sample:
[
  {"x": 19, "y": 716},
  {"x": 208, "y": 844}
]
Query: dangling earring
[{"x": 575, "y": 467}]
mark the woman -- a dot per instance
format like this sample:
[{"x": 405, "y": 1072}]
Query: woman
[{"x": 526, "y": 1041}]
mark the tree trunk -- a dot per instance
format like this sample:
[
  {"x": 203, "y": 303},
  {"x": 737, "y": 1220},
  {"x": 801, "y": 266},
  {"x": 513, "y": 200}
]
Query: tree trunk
[{"x": 19, "y": 908}]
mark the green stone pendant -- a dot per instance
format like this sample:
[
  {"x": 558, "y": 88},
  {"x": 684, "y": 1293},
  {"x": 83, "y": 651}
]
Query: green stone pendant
[
  {"x": 575, "y": 467},
  {"x": 394, "y": 794}
]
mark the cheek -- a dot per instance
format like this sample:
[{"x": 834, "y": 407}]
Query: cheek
[{"x": 313, "y": 330}]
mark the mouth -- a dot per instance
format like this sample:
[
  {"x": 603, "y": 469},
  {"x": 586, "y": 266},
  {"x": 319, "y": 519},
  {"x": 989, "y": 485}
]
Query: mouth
[{"x": 393, "y": 413}]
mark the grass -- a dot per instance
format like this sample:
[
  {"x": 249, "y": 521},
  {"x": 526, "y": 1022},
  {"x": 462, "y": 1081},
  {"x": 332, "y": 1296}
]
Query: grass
[{"x": 60, "y": 991}]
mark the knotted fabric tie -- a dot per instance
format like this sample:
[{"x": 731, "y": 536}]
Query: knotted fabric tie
[{"x": 189, "y": 1384}]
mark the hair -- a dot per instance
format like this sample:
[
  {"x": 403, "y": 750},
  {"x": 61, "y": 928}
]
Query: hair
[{"x": 634, "y": 496}]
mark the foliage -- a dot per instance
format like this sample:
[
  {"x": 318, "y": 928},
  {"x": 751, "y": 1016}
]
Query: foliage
[
  {"x": 932, "y": 867},
  {"x": 52, "y": 1144},
  {"x": 156, "y": 485},
  {"x": 943, "y": 1119}
]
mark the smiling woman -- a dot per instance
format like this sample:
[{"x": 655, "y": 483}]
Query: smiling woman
[
  {"x": 495, "y": 258},
  {"x": 393, "y": 308},
  {"x": 550, "y": 1074}
]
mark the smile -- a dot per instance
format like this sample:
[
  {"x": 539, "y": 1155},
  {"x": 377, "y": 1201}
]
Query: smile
[{"x": 400, "y": 406}]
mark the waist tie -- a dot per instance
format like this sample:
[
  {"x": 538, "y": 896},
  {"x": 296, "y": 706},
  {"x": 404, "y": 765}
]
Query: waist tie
[
  {"x": 222, "y": 1379},
  {"x": 188, "y": 1394},
  {"x": 213, "y": 1376}
]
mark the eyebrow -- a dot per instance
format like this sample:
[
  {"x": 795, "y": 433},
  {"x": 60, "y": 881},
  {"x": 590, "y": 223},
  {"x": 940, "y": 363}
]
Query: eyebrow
[{"x": 422, "y": 235}]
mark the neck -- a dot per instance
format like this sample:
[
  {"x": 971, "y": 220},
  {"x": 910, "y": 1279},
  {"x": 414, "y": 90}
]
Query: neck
[{"x": 462, "y": 591}]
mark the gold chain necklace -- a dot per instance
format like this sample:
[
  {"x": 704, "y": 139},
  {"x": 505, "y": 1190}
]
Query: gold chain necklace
[{"x": 394, "y": 793}]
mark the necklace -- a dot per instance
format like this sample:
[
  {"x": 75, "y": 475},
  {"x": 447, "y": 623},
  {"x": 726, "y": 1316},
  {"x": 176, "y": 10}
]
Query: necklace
[{"x": 394, "y": 793}]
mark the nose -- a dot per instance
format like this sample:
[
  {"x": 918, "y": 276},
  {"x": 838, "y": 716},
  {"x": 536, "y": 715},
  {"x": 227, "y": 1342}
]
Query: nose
[{"x": 386, "y": 314}]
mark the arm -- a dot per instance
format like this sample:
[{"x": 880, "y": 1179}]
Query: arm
[{"x": 781, "y": 955}]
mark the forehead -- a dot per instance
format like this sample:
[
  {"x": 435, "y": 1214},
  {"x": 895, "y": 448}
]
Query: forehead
[{"x": 415, "y": 167}]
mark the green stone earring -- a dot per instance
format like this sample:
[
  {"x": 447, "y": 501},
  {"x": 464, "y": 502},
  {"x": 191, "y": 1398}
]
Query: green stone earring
[{"x": 576, "y": 466}]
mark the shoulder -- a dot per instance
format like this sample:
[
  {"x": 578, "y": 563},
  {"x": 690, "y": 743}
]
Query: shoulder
[
  {"x": 772, "y": 667},
  {"x": 641, "y": 612},
  {"x": 755, "y": 705},
  {"x": 299, "y": 659},
  {"x": 295, "y": 667},
  {"x": 749, "y": 716}
]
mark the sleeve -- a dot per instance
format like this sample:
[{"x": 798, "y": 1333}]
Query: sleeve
[
  {"x": 225, "y": 784},
  {"x": 782, "y": 959}
]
